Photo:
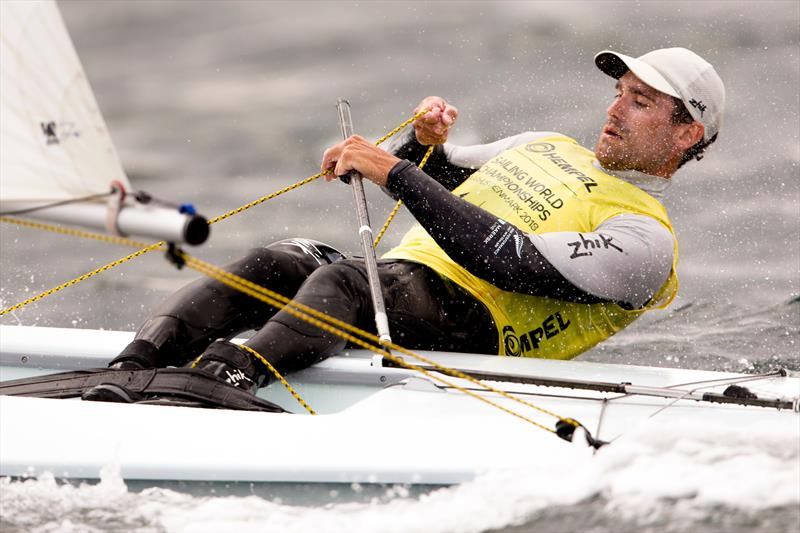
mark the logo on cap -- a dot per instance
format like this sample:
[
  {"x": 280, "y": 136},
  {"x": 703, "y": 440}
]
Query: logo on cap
[{"x": 698, "y": 105}]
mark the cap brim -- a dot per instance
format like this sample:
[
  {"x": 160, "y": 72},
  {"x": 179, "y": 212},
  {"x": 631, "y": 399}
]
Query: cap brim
[{"x": 616, "y": 65}]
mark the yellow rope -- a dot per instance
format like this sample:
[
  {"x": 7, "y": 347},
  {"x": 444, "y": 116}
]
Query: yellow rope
[
  {"x": 401, "y": 126},
  {"x": 389, "y": 219},
  {"x": 280, "y": 378},
  {"x": 84, "y": 277},
  {"x": 271, "y": 369},
  {"x": 341, "y": 329},
  {"x": 426, "y": 156},
  {"x": 268, "y": 197}
]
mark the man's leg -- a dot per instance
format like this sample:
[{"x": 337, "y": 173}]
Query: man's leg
[
  {"x": 339, "y": 290},
  {"x": 205, "y": 310},
  {"x": 425, "y": 311}
]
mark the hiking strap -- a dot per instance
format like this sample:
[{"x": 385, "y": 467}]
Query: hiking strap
[{"x": 184, "y": 383}]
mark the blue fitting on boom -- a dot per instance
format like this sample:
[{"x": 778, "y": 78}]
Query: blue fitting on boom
[{"x": 187, "y": 209}]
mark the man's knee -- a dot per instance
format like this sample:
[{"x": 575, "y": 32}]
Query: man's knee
[
  {"x": 339, "y": 290},
  {"x": 294, "y": 257},
  {"x": 259, "y": 259},
  {"x": 319, "y": 252},
  {"x": 345, "y": 276}
]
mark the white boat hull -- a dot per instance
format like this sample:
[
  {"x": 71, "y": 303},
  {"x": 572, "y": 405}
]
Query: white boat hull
[{"x": 377, "y": 425}]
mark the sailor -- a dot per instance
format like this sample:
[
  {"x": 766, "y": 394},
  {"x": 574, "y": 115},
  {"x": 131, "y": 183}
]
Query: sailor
[{"x": 528, "y": 246}]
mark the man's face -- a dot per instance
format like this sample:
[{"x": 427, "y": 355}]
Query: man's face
[{"x": 639, "y": 133}]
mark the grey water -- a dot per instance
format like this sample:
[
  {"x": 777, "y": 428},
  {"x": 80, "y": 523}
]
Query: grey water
[{"x": 219, "y": 103}]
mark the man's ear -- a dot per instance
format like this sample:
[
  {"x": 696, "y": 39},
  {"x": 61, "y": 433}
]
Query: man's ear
[{"x": 690, "y": 134}]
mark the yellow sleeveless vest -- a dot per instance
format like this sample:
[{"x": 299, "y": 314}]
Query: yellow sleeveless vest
[{"x": 544, "y": 186}]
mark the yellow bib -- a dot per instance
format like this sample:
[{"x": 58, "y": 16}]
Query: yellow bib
[{"x": 544, "y": 186}]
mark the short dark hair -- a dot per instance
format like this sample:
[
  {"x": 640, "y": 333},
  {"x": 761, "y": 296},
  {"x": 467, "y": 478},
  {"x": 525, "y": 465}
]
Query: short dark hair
[{"x": 681, "y": 115}]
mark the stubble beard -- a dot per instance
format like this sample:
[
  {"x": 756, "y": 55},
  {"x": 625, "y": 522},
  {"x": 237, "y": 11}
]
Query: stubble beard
[{"x": 610, "y": 158}]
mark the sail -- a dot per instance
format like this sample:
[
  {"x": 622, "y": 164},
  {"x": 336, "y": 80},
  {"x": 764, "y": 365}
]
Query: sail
[{"x": 54, "y": 144}]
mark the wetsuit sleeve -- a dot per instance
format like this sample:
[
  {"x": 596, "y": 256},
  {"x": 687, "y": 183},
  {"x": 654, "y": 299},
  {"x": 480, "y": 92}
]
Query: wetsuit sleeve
[
  {"x": 438, "y": 166},
  {"x": 451, "y": 164},
  {"x": 627, "y": 259},
  {"x": 512, "y": 260}
]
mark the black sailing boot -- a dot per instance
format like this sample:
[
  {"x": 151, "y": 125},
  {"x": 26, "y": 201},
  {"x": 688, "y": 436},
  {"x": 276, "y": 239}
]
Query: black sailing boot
[
  {"x": 222, "y": 359},
  {"x": 137, "y": 355},
  {"x": 233, "y": 365}
]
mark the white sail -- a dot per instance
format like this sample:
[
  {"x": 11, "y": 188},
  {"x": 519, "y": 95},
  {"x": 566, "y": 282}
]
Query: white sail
[{"x": 54, "y": 144}]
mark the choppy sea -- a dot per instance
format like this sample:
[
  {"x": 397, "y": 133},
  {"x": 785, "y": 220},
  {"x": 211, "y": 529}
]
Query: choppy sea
[{"x": 218, "y": 103}]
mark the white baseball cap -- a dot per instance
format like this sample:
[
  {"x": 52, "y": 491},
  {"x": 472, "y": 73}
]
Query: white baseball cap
[{"x": 677, "y": 72}]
